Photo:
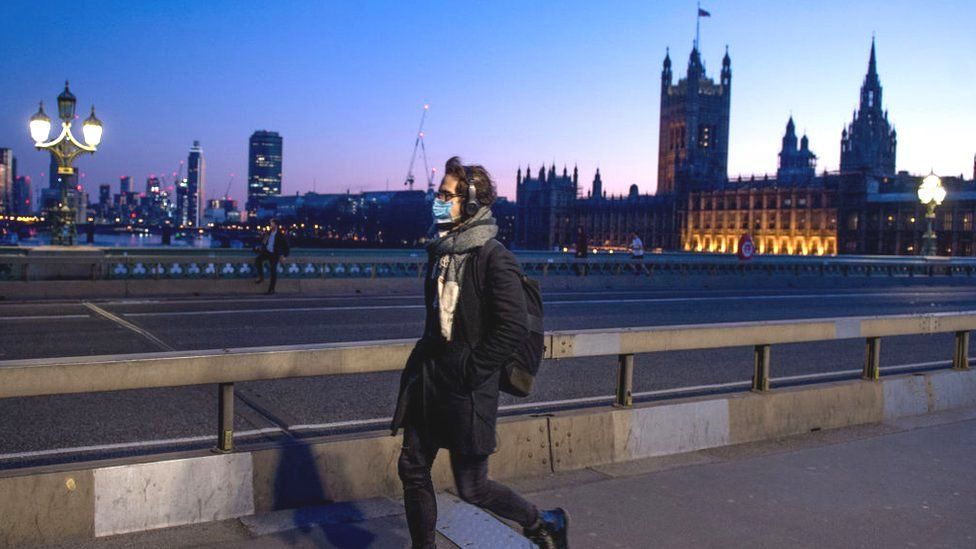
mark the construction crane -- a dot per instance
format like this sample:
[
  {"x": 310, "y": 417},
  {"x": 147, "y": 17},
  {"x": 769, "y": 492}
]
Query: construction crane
[
  {"x": 419, "y": 143},
  {"x": 227, "y": 192}
]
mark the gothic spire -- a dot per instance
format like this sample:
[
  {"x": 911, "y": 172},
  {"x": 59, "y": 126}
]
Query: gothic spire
[{"x": 872, "y": 63}]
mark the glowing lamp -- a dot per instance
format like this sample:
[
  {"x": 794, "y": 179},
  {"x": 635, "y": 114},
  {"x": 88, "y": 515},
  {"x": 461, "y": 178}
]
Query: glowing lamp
[
  {"x": 931, "y": 190},
  {"x": 92, "y": 129},
  {"x": 40, "y": 125}
]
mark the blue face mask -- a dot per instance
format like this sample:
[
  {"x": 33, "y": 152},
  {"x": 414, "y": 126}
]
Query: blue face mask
[{"x": 442, "y": 211}]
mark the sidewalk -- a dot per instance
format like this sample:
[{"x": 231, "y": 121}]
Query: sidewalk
[{"x": 910, "y": 483}]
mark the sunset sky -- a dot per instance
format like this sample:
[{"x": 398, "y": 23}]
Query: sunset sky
[{"x": 509, "y": 83}]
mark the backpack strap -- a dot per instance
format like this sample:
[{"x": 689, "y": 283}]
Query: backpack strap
[{"x": 481, "y": 265}]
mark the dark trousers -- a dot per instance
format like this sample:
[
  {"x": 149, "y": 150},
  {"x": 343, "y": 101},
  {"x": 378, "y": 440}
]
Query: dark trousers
[
  {"x": 471, "y": 480},
  {"x": 272, "y": 260}
]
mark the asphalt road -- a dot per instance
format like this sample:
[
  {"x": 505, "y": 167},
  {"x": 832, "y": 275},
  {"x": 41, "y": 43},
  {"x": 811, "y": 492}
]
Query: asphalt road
[{"x": 62, "y": 428}]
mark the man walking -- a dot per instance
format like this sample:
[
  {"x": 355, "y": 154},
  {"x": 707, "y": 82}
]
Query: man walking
[
  {"x": 476, "y": 317},
  {"x": 274, "y": 246},
  {"x": 637, "y": 252}
]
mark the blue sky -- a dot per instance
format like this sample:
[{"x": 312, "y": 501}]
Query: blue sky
[{"x": 509, "y": 83}]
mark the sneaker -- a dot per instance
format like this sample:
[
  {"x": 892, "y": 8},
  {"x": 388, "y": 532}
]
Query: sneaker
[{"x": 552, "y": 530}]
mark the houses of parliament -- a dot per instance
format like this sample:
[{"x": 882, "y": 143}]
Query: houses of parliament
[{"x": 865, "y": 207}]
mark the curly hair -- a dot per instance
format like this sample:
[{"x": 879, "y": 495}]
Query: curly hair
[{"x": 473, "y": 174}]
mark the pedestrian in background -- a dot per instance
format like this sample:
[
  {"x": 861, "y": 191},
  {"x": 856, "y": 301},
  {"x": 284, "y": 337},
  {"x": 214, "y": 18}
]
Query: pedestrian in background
[
  {"x": 273, "y": 246},
  {"x": 637, "y": 252},
  {"x": 582, "y": 249}
]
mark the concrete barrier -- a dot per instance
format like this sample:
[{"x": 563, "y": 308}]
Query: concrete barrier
[
  {"x": 136, "y": 497},
  {"x": 93, "y": 500}
]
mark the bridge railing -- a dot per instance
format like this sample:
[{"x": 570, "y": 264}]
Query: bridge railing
[
  {"x": 225, "y": 367},
  {"x": 140, "y": 264}
]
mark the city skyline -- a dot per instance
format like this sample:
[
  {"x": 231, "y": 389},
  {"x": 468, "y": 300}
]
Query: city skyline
[{"x": 349, "y": 106}]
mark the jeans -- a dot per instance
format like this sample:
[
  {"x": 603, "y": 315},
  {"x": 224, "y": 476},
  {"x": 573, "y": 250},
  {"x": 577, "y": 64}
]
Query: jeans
[
  {"x": 471, "y": 480},
  {"x": 272, "y": 260}
]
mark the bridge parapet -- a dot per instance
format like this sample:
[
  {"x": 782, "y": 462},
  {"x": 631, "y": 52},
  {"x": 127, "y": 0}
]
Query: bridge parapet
[{"x": 85, "y": 263}]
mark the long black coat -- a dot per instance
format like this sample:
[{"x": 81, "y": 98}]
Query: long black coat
[
  {"x": 449, "y": 390},
  {"x": 281, "y": 246}
]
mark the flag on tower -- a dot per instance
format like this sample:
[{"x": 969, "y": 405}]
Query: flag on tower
[{"x": 703, "y": 13}]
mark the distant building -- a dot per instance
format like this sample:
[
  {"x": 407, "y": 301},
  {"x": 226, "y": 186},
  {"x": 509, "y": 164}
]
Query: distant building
[
  {"x": 181, "y": 202},
  {"x": 796, "y": 163},
  {"x": 869, "y": 142},
  {"x": 125, "y": 184},
  {"x": 8, "y": 169},
  {"x": 195, "y": 177},
  {"x": 545, "y": 207},
  {"x": 221, "y": 210},
  {"x": 550, "y": 213},
  {"x": 263, "y": 167},
  {"x": 864, "y": 208},
  {"x": 21, "y": 203},
  {"x": 380, "y": 218},
  {"x": 694, "y": 130},
  {"x": 104, "y": 201}
]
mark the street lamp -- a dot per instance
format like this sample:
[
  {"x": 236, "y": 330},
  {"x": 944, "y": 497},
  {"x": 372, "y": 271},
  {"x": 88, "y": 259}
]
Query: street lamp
[
  {"x": 931, "y": 193},
  {"x": 65, "y": 148}
]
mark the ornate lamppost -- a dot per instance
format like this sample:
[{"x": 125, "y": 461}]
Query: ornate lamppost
[
  {"x": 931, "y": 193},
  {"x": 65, "y": 148}
]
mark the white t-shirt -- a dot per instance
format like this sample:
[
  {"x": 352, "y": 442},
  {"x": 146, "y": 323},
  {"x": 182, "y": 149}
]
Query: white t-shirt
[
  {"x": 637, "y": 247},
  {"x": 270, "y": 244}
]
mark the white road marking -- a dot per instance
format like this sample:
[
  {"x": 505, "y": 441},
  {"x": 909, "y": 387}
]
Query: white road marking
[
  {"x": 386, "y": 420},
  {"x": 275, "y": 310},
  {"x": 341, "y": 424},
  {"x": 42, "y": 317},
  {"x": 129, "y": 326}
]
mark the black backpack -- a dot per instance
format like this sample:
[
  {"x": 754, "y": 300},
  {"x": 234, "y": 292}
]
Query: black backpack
[{"x": 520, "y": 372}]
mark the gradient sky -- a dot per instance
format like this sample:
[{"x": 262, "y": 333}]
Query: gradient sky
[{"x": 509, "y": 83}]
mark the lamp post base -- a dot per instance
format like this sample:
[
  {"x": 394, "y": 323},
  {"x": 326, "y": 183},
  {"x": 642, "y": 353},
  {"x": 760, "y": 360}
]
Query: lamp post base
[{"x": 63, "y": 230}]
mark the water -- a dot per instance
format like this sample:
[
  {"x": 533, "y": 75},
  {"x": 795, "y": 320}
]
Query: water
[{"x": 128, "y": 240}]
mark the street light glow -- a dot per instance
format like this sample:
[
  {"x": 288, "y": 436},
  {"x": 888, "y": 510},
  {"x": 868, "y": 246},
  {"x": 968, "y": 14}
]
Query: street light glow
[
  {"x": 92, "y": 129},
  {"x": 40, "y": 125},
  {"x": 931, "y": 190}
]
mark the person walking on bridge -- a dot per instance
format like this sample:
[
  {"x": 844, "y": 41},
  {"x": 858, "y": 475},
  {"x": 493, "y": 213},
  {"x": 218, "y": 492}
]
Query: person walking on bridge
[
  {"x": 273, "y": 246},
  {"x": 450, "y": 385}
]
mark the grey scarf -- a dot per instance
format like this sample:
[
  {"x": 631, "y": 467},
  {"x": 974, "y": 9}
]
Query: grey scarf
[{"x": 450, "y": 252}]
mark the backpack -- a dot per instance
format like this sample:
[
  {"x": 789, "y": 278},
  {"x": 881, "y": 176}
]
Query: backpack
[{"x": 519, "y": 373}]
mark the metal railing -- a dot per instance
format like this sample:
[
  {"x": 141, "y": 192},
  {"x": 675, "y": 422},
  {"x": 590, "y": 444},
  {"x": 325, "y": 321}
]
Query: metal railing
[
  {"x": 224, "y": 367},
  {"x": 156, "y": 264}
]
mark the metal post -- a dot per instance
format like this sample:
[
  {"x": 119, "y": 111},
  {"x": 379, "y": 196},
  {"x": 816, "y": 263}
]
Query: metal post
[
  {"x": 960, "y": 358},
  {"x": 872, "y": 359},
  {"x": 760, "y": 379},
  {"x": 225, "y": 418},
  {"x": 625, "y": 381}
]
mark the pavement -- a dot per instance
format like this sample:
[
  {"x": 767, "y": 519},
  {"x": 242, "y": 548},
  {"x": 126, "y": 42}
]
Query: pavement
[
  {"x": 907, "y": 483},
  {"x": 56, "y": 429}
]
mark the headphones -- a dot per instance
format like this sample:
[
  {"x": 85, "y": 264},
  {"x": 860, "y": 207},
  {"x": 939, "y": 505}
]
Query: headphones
[{"x": 472, "y": 206}]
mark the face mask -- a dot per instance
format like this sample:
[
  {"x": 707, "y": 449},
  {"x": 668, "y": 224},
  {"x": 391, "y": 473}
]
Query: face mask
[{"x": 442, "y": 211}]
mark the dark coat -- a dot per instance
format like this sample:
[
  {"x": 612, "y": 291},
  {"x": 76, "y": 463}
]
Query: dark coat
[
  {"x": 449, "y": 390},
  {"x": 582, "y": 244},
  {"x": 281, "y": 247}
]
